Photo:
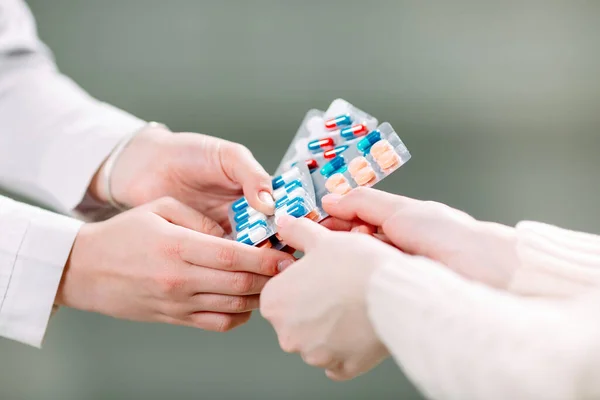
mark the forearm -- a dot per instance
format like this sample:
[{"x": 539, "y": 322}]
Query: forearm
[
  {"x": 460, "y": 340},
  {"x": 34, "y": 246}
]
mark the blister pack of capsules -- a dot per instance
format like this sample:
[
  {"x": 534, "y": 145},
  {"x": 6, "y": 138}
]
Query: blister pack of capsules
[
  {"x": 294, "y": 195},
  {"x": 333, "y": 151}
]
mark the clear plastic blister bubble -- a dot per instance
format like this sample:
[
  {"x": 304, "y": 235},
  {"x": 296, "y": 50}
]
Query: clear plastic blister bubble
[
  {"x": 294, "y": 195},
  {"x": 365, "y": 163}
]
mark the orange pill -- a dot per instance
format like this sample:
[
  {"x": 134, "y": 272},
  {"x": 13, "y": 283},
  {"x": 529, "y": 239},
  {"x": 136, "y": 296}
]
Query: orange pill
[
  {"x": 357, "y": 164},
  {"x": 334, "y": 181},
  {"x": 342, "y": 189},
  {"x": 388, "y": 160},
  {"x": 266, "y": 244},
  {"x": 313, "y": 215},
  {"x": 380, "y": 147},
  {"x": 365, "y": 177}
]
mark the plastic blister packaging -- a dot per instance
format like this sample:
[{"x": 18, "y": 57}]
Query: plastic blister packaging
[
  {"x": 294, "y": 195},
  {"x": 364, "y": 163},
  {"x": 323, "y": 135}
]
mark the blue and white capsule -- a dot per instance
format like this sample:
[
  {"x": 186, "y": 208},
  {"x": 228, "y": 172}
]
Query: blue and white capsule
[
  {"x": 338, "y": 164},
  {"x": 298, "y": 192},
  {"x": 286, "y": 177},
  {"x": 239, "y": 205},
  {"x": 245, "y": 214},
  {"x": 295, "y": 207},
  {"x": 249, "y": 221},
  {"x": 287, "y": 188},
  {"x": 364, "y": 145},
  {"x": 255, "y": 233}
]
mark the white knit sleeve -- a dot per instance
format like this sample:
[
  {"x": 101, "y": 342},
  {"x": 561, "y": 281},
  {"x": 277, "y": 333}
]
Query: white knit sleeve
[
  {"x": 555, "y": 261},
  {"x": 460, "y": 340}
]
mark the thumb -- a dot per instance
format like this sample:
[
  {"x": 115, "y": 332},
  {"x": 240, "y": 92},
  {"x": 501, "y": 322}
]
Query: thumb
[{"x": 241, "y": 167}]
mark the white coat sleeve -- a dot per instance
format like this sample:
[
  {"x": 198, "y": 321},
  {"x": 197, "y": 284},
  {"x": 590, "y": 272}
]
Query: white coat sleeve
[
  {"x": 34, "y": 247},
  {"x": 53, "y": 135}
]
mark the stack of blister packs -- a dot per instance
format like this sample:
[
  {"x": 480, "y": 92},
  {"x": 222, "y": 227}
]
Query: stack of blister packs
[{"x": 333, "y": 152}]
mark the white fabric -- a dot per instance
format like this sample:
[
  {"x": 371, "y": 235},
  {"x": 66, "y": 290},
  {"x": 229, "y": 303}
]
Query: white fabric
[
  {"x": 53, "y": 138},
  {"x": 461, "y": 340}
]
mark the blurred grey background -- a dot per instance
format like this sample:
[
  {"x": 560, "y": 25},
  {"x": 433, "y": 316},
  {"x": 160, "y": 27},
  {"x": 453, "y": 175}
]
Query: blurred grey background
[{"x": 499, "y": 102}]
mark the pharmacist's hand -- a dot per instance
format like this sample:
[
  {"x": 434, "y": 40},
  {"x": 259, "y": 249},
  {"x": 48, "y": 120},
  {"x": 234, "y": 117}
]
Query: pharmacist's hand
[
  {"x": 318, "y": 304},
  {"x": 202, "y": 171},
  {"x": 166, "y": 262},
  {"x": 481, "y": 251}
]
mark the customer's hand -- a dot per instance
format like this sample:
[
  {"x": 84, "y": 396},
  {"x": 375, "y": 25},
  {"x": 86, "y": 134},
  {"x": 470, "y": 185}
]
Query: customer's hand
[
  {"x": 201, "y": 171},
  {"x": 317, "y": 305},
  {"x": 166, "y": 262},
  {"x": 481, "y": 251}
]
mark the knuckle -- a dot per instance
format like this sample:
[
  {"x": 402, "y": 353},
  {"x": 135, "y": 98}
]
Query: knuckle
[
  {"x": 238, "y": 304},
  {"x": 224, "y": 323},
  {"x": 242, "y": 282},
  {"x": 226, "y": 256},
  {"x": 287, "y": 344},
  {"x": 171, "y": 248},
  {"x": 170, "y": 284}
]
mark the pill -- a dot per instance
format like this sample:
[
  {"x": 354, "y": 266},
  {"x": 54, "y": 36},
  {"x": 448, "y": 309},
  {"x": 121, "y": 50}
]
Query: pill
[
  {"x": 244, "y": 214},
  {"x": 333, "y": 166},
  {"x": 388, "y": 160},
  {"x": 298, "y": 210},
  {"x": 313, "y": 215},
  {"x": 287, "y": 188},
  {"x": 338, "y": 122},
  {"x": 318, "y": 145},
  {"x": 293, "y": 201},
  {"x": 239, "y": 204},
  {"x": 329, "y": 154},
  {"x": 312, "y": 164},
  {"x": 365, "y": 177},
  {"x": 301, "y": 193},
  {"x": 354, "y": 131},
  {"x": 357, "y": 164},
  {"x": 381, "y": 147},
  {"x": 255, "y": 233},
  {"x": 286, "y": 177},
  {"x": 342, "y": 189},
  {"x": 334, "y": 181},
  {"x": 365, "y": 143},
  {"x": 250, "y": 221}
]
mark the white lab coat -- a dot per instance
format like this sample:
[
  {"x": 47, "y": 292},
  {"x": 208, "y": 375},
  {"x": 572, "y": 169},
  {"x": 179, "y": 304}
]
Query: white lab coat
[{"x": 53, "y": 138}]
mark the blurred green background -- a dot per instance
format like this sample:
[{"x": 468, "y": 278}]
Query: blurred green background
[{"x": 499, "y": 102}]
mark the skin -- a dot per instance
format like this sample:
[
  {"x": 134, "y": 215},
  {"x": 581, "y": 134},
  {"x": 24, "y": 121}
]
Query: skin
[{"x": 166, "y": 259}]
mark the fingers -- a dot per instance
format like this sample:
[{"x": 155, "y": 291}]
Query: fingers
[
  {"x": 218, "y": 322},
  {"x": 241, "y": 167},
  {"x": 369, "y": 205},
  {"x": 300, "y": 233},
  {"x": 336, "y": 224},
  {"x": 224, "y": 303},
  {"x": 180, "y": 214},
  {"x": 229, "y": 255},
  {"x": 208, "y": 280}
]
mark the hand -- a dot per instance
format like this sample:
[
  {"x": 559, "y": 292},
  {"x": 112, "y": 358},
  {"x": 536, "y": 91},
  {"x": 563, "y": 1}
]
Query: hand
[
  {"x": 317, "y": 305},
  {"x": 166, "y": 262},
  {"x": 482, "y": 251},
  {"x": 201, "y": 171}
]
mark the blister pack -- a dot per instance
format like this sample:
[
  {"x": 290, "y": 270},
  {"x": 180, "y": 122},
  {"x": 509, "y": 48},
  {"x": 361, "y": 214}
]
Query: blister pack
[
  {"x": 294, "y": 195},
  {"x": 364, "y": 163}
]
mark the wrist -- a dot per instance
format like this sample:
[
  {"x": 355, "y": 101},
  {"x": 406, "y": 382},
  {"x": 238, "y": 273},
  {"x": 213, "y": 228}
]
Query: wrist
[{"x": 112, "y": 186}]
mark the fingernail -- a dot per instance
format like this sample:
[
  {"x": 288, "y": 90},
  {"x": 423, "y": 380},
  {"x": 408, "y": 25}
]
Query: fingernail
[
  {"x": 284, "y": 220},
  {"x": 332, "y": 198},
  {"x": 283, "y": 264},
  {"x": 267, "y": 199},
  {"x": 355, "y": 229}
]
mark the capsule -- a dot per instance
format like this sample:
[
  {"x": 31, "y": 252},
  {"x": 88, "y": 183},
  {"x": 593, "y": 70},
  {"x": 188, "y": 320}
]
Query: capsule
[
  {"x": 287, "y": 188},
  {"x": 338, "y": 122},
  {"x": 244, "y": 214},
  {"x": 298, "y": 193},
  {"x": 312, "y": 164},
  {"x": 318, "y": 145},
  {"x": 333, "y": 166},
  {"x": 239, "y": 204},
  {"x": 287, "y": 176},
  {"x": 329, "y": 154},
  {"x": 255, "y": 233},
  {"x": 365, "y": 143},
  {"x": 298, "y": 210},
  {"x": 291, "y": 203},
  {"x": 354, "y": 131},
  {"x": 248, "y": 222}
]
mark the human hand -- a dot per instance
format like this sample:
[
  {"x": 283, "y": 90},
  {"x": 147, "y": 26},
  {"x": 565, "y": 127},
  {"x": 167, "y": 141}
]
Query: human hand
[
  {"x": 482, "y": 251},
  {"x": 318, "y": 304},
  {"x": 166, "y": 262},
  {"x": 204, "y": 172}
]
